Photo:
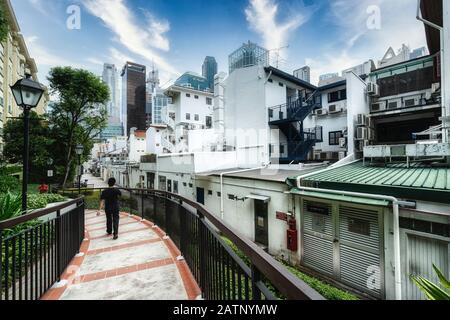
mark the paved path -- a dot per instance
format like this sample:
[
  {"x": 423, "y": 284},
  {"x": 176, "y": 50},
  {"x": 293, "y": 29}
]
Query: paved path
[
  {"x": 97, "y": 182},
  {"x": 142, "y": 264}
]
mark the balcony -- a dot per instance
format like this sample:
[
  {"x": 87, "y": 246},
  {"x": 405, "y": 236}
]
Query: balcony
[
  {"x": 164, "y": 238},
  {"x": 295, "y": 111}
]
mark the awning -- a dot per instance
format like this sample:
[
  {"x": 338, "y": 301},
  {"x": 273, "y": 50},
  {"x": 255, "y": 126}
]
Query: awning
[
  {"x": 343, "y": 198},
  {"x": 258, "y": 197}
]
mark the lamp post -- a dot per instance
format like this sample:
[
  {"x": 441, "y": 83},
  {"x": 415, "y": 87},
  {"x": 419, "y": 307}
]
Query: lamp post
[
  {"x": 49, "y": 174},
  {"x": 27, "y": 94},
  {"x": 79, "y": 150}
]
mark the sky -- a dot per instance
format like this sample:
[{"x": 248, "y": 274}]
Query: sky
[{"x": 176, "y": 35}]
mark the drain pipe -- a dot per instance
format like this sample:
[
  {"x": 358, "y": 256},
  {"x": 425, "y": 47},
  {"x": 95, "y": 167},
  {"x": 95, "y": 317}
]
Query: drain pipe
[
  {"x": 396, "y": 213},
  {"x": 221, "y": 184}
]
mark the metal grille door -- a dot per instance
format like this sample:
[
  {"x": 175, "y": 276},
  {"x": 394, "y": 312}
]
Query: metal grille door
[
  {"x": 360, "y": 239},
  {"x": 318, "y": 236}
]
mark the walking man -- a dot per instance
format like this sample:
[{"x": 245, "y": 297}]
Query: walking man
[{"x": 109, "y": 200}]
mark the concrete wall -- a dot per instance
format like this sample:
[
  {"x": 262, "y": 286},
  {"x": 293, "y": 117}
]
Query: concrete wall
[{"x": 357, "y": 103}]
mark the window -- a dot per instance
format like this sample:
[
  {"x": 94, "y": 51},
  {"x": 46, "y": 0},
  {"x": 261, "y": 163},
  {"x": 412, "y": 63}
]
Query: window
[
  {"x": 210, "y": 192},
  {"x": 209, "y": 101},
  {"x": 337, "y": 95},
  {"x": 208, "y": 122},
  {"x": 197, "y": 117},
  {"x": 231, "y": 197},
  {"x": 196, "y": 97},
  {"x": 188, "y": 116},
  {"x": 184, "y": 184},
  {"x": 333, "y": 139},
  {"x": 191, "y": 185},
  {"x": 219, "y": 194},
  {"x": 281, "y": 149},
  {"x": 188, "y": 95},
  {"x": 270, "y": 80},
  {"x": 270, "y": 113},
  {"x": 175, "y": 187},
  {"x": 318, "y": 223}
]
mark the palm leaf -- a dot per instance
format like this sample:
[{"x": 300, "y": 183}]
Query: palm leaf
[
  {"x": 444, "y": 282},
  {"x": 431, "y": 290}
]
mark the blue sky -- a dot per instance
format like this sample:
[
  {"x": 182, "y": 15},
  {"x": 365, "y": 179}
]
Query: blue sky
[{"x": 176, "y": 35}]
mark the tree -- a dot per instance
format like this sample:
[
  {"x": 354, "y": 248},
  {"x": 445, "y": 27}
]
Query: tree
[
  {"x": 41, "y": 144},
  {"x": 78, "y": 115}
]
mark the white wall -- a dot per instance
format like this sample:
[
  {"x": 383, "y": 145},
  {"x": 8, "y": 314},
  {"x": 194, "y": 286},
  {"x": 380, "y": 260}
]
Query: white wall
[
  {"x": 137, "y": 148},
  {"x": 357, "y": 103},
  {"x": 153, "y": 141}
]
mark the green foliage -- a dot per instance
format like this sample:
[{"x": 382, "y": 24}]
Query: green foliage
[
  {"x": 10, "y": 206},
  {"x": 77, "y": 117},
  {"x": 4, "y": 25},
  {"x": 327, "y": 291},
  {"x": 431, "y": 290},
  {"x": 8, "y": 183},
  {"x": 39, "y": 201},
  {"x": 41, "y": 145}
]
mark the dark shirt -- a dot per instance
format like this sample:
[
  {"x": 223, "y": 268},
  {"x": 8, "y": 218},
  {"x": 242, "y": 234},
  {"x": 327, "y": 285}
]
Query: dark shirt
[{"x": 111, "y": 197}]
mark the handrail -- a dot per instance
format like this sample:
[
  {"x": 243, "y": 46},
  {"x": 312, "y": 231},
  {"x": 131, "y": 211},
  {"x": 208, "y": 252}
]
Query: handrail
[
  {"x": 10, "y": 223},
  {"x": 289, "y": 285}
]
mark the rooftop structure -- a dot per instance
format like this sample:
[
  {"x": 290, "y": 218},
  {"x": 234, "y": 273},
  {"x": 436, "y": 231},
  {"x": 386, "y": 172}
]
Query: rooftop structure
[
  {"x": 193, "y": 81},
  {"x": 248, "y": 55}
]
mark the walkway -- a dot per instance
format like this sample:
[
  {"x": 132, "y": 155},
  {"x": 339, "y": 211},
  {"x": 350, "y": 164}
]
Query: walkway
[
  {"x": 97, "y": 182},
  {"x": 142, "y": 264}
]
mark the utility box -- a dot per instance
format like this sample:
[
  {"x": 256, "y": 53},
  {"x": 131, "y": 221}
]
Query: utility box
[{"x": 292, "y": 240}]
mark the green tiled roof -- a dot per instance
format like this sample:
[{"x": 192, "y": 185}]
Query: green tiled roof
[{"x": 419, "y": 182}]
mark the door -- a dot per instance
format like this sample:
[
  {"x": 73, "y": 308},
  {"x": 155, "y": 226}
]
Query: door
[
  {"x": 162, "y": 183},
  {"x": 261, "y": 223},
  {"x": 169, "y": 185},
  {"x": 201, "y": 195},
  {"x": 421, "y": 253},
  {"x": 345, "y": 242}
]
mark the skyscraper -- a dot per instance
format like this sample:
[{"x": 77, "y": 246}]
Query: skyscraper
[
  {"x": 111, "y": 78},
  {"x": 303, "y": 73},
  {"x": 209, "y": 70},
  {"x": 134, "y": 97}
]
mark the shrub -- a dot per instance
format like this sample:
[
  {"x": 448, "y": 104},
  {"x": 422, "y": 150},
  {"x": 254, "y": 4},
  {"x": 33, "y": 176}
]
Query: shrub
[
  {"x": 8, "y": 183},
  {"x": 10, "y": 206}
]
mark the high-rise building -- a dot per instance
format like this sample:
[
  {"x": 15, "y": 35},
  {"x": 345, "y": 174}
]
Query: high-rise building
[
  {"x": 111, "y": 78},
  {"x": 134, "y": 97},
  {"x": 209, "y": 70},
  {"x": 303, "y": 73}
]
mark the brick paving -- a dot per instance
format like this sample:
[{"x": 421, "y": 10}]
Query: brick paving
[{"x": 141, "y": 265}]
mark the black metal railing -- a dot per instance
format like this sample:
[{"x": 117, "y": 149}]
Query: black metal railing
[
  {"x": 296, "y": 110},
  {"x": 36, "y": 248},
  {"x": 221, "y": 272}
]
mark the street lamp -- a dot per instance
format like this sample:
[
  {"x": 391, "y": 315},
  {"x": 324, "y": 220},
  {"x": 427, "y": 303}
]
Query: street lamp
[
  {"x": 79, "y": 150},
  {"x": 27, "y": 94}
]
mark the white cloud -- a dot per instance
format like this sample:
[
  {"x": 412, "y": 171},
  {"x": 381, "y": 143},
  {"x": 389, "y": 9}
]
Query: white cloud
[
  {"x": 137, "y": 38},
  {"x": 357, "y": 43},
  {"x": 45, "y": 57},
  {"x": 262, "y": 16}
]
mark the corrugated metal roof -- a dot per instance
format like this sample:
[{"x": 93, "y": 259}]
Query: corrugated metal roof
[{"x": 421, "y": 182}]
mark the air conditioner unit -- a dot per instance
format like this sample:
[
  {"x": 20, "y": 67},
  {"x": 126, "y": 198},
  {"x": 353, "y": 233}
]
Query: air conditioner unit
[
  {"x": 373, "y": 89},
  {"x": 362, "y": 133},
  {"x": 379, "y": 106},
  {"x": 412, "y": 101},
  {"x": 317, "y": 156},
  {"x": 394, "y": 104},
  {"x": 334, "y": 108},
  {"x": 342, "y": 142},
  {"x": 321, "y": 112},
  {"x": 342, "y": 155},
  {"x": 360, "y": 145},
  {"x": 361, "y": 120},
  {"x": 435, "y": 87}
]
